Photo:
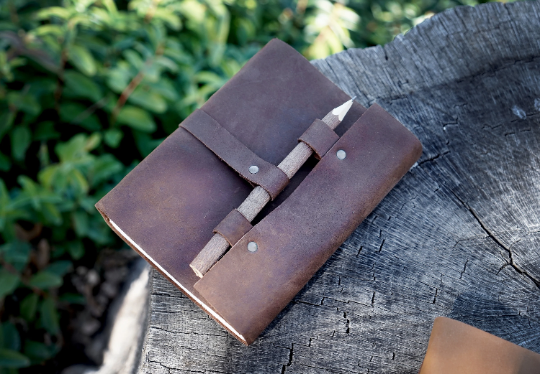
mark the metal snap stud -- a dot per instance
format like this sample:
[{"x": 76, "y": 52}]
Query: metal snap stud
[
  {"x": 253, "y": 169},
  {"x": 341, "y": 154},
  {"x": 252, "y": 247}
]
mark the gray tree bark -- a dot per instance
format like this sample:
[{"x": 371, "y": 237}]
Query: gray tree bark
[{"x": 459, "y": 236}]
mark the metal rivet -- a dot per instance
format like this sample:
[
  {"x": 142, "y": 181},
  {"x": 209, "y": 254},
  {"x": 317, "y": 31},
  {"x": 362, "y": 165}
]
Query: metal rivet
[
  {"x": 252, "y": 247},
  {"x": 341, "y": 154},
  {"x": 253, "y": 169}
]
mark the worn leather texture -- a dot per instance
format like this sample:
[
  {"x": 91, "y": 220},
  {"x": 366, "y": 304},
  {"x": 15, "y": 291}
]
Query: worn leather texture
[
  {"x": 235, "y": 154},
  {"x": 457, "y": 348},
  {"x": 319, "y": 137},
  {"x": 295, "y": 240},
  {"x": 167, "y": 207},
  {"x": 233, "y": 227}
]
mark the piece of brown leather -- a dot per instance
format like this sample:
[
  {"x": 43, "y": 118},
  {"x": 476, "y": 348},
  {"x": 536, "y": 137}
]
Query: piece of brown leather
[
  {"x": 171, "y": 202},
  {"x": 319, "y": 137},
  {"x": 233, "y": 227},
  {"x": 249, "y": 289},
  {"x": 457, "y": 348},
  {"x": 234, "y": 153}
]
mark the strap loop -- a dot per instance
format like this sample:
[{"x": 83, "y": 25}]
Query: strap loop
[
  {"x": 233, "y": 227},
  {"x": 235, "y": 154},
  {"x": 319, "y": 137}
]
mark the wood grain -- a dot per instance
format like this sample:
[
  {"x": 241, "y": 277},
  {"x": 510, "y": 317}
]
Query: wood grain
[{"x": 459, "y": 236}]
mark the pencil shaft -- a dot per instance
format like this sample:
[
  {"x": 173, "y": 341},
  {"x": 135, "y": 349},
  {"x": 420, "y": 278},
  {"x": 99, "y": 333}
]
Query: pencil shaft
[{"x": 256, "y": 201}]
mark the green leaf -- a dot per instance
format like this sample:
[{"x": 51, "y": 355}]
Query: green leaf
[
  {"x": 100, "y": 233},
  {"x": 167, "y": 63},
  {"x": 16, "y": 253},
  {"x": 44, "y": 280},
  {"x": 78, "y": 181},
  {"x": 93, "y": 141},
  {"x": 134, "y": 59},
  {"x": 82, "y": 59},
  {"x": 20, "y": 140},
  {"x": 51, "y": 213},
  {"x": 118, "y": 78},
  {"x": 104, "y": 168},
  {"x": 193, "y": 10},
  {"x": 70, "y": 111},
  {"x": 59, "y": 268},
  {"x": 43, "y": 30},
  {"x": 110, "y": 5},
  {"x": 82, "y": 85},
  {"x": 145, "y": 143},
  {"x": 80, "y": 223},
  {"x": 172, "y": 20},
  {"x": 148, "y": 99},
  {"x": 29, "y": 307},
  {"x": 24, "y": 102},
  {"x": 55, "y": 11},
  {"x": 45, "y": 131},
  {"x": 76, "y": 250},
  {"x": 10, "y": 336},
  {"x": 6, "y": 121},
  {"x": 5, "y": 200},
  {"x": 13, "y": 359},
  {"x": 8, "y": 282},
  {"x": 72, "y": 150},
  {"x": 88, "y": 202},
  {"x": 136, "y": 118},
  {"x": 74, "y": 113},
  {"x": 37, "y": 351},
  {"x": 49, "y": 316},
  {"x": 5, "y": 164},
  {"x": 113, "y": 137},
  {"x": 91, "y": 123},
  {"x": 165, "y": 88}
]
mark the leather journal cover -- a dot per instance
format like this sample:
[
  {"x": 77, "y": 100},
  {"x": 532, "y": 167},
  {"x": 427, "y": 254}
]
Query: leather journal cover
[
  {"x": 457, "y": 348},
  {"x": 167, "y": 208}
]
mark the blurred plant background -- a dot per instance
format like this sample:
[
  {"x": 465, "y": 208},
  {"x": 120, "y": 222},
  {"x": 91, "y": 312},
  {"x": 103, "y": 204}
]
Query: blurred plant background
[{"x": 90, "y": 87}]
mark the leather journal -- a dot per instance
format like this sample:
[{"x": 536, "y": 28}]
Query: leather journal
[
  {"x": 168, "y": 207},
  {"x": 457, "y": 348}
]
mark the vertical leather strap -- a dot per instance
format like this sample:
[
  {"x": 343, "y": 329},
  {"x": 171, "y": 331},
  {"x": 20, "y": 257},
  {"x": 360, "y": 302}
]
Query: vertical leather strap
[
  {"x": 233, "y": 227},
  {"x": 319, "y": 137},
  {"x": 235, "y": 154}
]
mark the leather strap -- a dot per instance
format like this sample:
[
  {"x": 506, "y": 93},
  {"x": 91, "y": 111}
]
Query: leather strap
[
  {"x": 233, "y": 227},
  {"x": 234, "y": 153},
  {"x": 319, "y": 137}
]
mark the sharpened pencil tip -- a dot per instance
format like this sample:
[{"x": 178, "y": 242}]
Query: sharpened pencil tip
[{"x": 342, "y": 110}]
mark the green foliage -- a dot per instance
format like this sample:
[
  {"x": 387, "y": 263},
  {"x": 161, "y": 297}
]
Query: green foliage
[{"x": 90, "y": 87}]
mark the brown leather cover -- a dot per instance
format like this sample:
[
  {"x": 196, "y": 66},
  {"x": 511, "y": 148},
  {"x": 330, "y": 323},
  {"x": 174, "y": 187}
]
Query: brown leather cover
[
  {"x": 167, "y": 207},
  {"x": 233, "y": 227},
  {"x": 234, "y": 153},
  {"x": 295, "y": 240},
  {"x": 457, "y": 348},
  {"x": 319, "y": 137}
]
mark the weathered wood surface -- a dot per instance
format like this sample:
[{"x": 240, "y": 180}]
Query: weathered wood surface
[{"x": 459, "y": 236}]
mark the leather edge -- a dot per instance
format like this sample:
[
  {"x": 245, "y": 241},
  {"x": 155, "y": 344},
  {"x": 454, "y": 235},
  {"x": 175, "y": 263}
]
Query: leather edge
[{"x": 202, "y": 306}]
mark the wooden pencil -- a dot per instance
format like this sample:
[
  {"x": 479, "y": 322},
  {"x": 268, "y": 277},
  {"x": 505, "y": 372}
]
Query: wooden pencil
[{"x": 258, "y": 198}]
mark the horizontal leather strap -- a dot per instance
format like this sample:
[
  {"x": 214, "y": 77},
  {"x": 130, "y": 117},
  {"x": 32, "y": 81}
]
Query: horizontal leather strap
[
  {"x": 234, "y": 153},
  {"x": 319, "y": 137},
  {"x": 233, "y": 227}
]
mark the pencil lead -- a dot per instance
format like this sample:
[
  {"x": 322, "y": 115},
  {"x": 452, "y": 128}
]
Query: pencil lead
[{"x": 342, "y": 110}]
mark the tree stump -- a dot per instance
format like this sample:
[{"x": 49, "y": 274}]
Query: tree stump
[{"x": 459, "y": 236}]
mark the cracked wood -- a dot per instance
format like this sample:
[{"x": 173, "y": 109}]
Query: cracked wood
[{"x": 459, "y": 236}]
